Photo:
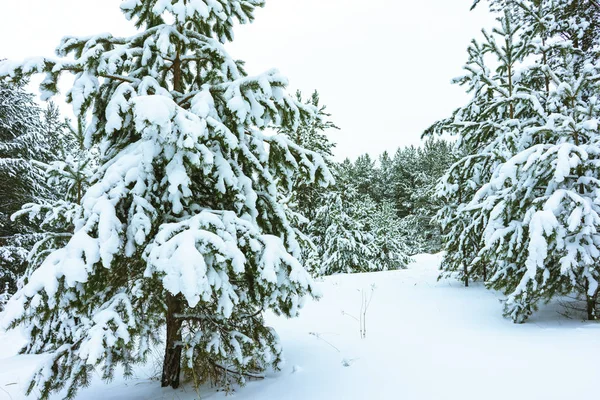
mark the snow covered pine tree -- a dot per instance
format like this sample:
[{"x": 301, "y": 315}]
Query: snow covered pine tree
[
  {"x": 22, "y": 140},
  {"x": 530, "y": 174},
  {"x": 343, "y": 243},
  {"x": 311, "y": 135},
  {"x": 182, "y": 224},
  {"x": 477, "y": 129},
  {"x": 545, "y": 218},
  {"x": 307, "y": 198},
  {"x": 55, "y": 217}
]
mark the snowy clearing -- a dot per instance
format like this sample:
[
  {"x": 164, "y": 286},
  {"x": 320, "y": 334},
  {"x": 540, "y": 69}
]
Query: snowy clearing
[{"x": 424, "y": 340}]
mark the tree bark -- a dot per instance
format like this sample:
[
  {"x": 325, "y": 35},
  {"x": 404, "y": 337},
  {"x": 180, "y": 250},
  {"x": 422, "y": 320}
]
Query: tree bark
[
  {"x": 173, "y": 348},
  {"x": 591, "y": 301}
]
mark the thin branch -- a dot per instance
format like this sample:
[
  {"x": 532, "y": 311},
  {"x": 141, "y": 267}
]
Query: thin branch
[
  {"x": 246, "y": 374},
  {"x": 107, "y": 76}
]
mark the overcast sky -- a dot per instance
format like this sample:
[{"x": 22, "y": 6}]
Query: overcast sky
[{"x": 383, "y": 67}]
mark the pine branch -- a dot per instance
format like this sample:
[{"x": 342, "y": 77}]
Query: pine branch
[{"x": 230, "y": 371}]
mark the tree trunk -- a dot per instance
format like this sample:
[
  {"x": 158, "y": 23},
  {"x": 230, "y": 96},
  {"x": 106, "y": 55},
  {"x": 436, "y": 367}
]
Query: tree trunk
[
  {"x": 466, "y": 273},
  {"x": 172, "y": 362},
  {"x": 591, "y": 304}
]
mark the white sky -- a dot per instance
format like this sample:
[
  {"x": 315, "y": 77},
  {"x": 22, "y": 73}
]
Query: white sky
[{"x": 382, "y": 67}]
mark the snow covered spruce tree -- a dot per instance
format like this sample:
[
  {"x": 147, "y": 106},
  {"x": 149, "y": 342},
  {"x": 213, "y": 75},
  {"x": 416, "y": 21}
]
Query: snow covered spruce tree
[
  {"x": 182, "y": 225},
  {"x": 537, "y": 205},
  {"x": 402, "y": 180},
  {"x": 344, "y": 243},
  {"x": 434, "y": 159},
  {"x": 311, "y": 135},
  {"x": 307, "y": 198},
  {"x": 389, "y": 240},
  {"x": 383, "y": 179},
  {"x": 24, "y": 138},
  {"x": 55, "y": 217}
]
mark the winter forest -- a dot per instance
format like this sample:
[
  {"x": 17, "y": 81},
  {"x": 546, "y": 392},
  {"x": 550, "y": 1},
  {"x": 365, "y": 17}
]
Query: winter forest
[{"x": 173, "y": 226}]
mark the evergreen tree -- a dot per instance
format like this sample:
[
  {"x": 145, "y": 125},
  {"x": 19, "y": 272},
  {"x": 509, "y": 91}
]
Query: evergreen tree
[
  {"x": 391, "y": 250},
  {"x": 58, "y": 142},
  {"x": 405, "y": 166},
  {"x": 344, "y": 173},
  {"x": 434, "y": 160},
  {"x": 183, "y": 224},
  {"x": 383, "y": 179},
  {"x": 307, "y": 198},
  {"x": 543, "y": 219},
  {"x": 55, "y": 217},
  {"x": 535, "y": 205},
  {"x": 477, "y": 127},
  {"x": 344, "y": 244},
  {"x": 310, "y": 134},
  {"x": 363, "y": 175},
  {"x": 25, "y": 142}
]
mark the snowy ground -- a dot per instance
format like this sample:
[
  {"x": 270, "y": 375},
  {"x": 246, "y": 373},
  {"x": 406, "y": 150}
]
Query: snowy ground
[{"x": 424, "y": 340}]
